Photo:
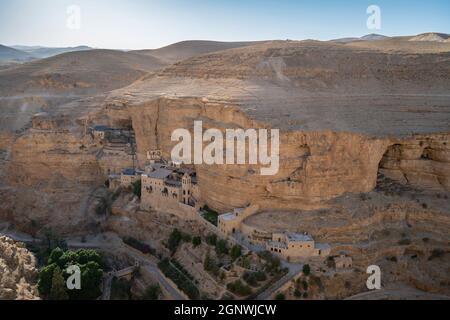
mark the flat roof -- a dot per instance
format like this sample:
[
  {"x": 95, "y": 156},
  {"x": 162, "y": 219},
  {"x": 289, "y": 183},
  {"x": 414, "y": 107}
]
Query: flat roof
[
  {"x": 102, "y": 128},
  {"x": 129, "y": 172},
  {"x": 160, "y": 174},
  {"x": 322, "y": 246},
  {"x": 227, "y": 216},
  {"x": 298, "y": 237}
]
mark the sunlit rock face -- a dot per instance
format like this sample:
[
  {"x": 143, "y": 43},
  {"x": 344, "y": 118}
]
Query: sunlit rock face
[
  {"x": 18, "y": 272},
  {"x": 345, "y": 114}
]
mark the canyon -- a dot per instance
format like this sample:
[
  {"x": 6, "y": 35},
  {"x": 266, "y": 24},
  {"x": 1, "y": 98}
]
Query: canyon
[{"x": 349, "y": 115}]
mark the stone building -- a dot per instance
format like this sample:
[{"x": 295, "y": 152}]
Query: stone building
[
  {"x": 99, "y": 132},
  {"x": 129, "y": 176},
  {"x": 343, "y": 262},
  {"x": 166, "y": 186},
  {"x": 230, "y": 223},
  {"x": 296, "y": 246},
  {"x": 154, "y": 156}
]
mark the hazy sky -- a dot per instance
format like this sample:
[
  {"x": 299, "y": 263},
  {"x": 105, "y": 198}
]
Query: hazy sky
[{"x": 133, "y": 24}]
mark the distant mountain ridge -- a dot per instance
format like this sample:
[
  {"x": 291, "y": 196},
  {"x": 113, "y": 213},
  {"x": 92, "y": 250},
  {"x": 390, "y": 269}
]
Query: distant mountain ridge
[
  {"x": 8, "y": 54},
  {"x": 39, "y": 52},
  {"x": 368, "y": 37},
  {"x": 432, "y": 36},
  {"x": 187, "y": 49}
]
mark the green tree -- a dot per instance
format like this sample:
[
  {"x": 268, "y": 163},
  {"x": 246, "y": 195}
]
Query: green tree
[
  {"x": 90, "y": 263},
  {"x": 137, "y": 188},
  {"x": 211, "y": 239},
  {"x": 196, "y": 241},
  {"x": 306, "y": 269},
  {"x": 280, "y": 296},
  {"x": 58, "y": 290},
  {"x": 174, "y": 240},
  {"x": 152, "y": 293},
  {"x": 210, "y": 265},
  {"x": 55, "y": 255},
  {"x": 45, "y": 279},
  {"x": 222, "y": 247},
  {"x": 91, "y": 279},
  {"x": 236, "y": 252}
]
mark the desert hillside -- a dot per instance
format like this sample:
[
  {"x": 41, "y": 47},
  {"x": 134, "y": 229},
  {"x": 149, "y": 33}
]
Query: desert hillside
[
  {"x": 186, "y": 49},
  {"x": 8, "y": 54},
  {"x": 29, "y": 88},
  {"x": 18, "y": 273},
  {"x": 84, "y": 71}
]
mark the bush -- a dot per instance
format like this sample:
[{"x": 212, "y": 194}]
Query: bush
[
  {"x": 305, "y": 285},
  {"x": 211, "y": 239},
  {"x": 174, "y": 240},
  {"x": 120, "y": 289},
  {"x": 210, "y": 215},
  {"x": 280, "y": 296},
  {"x": 252, "y": 278},
  {"x": 138, "y": 245},
  {"x": 273, "y": 263},
  {"x": 297, "y": 293},
  {"x": 238, "y": 288},
  {"x": 180, "y": 277},
  {"x": 236, "y": 252},
  {"x": 210, "y": 265},
  {"x": 222, "y": 247},
  {"x": 152, "y": 293}
]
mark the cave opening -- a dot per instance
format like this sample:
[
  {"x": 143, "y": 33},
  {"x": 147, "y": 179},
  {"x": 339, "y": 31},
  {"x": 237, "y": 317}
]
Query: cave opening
[
  {"x": 390, "y": 178},
  {"x": 426, "y": 154}
]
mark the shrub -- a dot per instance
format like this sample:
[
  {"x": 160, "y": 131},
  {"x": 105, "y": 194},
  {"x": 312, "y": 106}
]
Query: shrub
[
  {"x": 236, "y": 252},
  {"x": 120, "y": 289},
  {"x": 280, "y": 296},
  {"x": 210, "y": 215},
  {"x": 180, "y": 277},
  {"x": 152, "y": 293},
  {"x": 211, "y": 239},
  {"x": 210, "y": 265},
  {"x": 138, "y": 245},
  {"x": 237, "y": 287},
  {"x": 305, "y": 285},
  {"x": 222, "y": 247},
  {"x": 174, "y": 240}
]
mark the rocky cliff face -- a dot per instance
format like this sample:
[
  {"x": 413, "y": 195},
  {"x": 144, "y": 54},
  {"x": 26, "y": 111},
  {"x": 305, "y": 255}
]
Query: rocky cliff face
[
  {"x": 52, "y": 171},
  {"x": 51, "y": 178},
  {"x": 18, "y": 273},
  {"x": 51, "y": 164},
  {"x": 314, "y": 166}
]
